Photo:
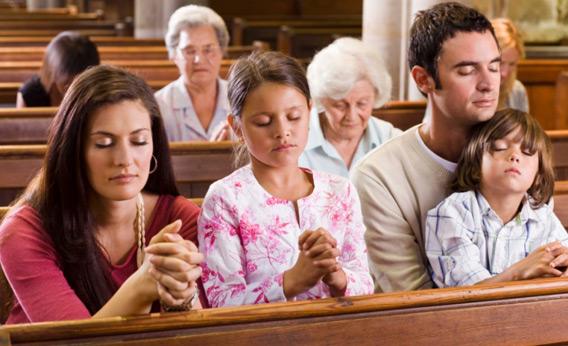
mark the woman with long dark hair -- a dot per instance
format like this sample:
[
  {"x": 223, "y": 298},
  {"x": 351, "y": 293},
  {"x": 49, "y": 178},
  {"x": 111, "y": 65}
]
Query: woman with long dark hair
[{"x": 102, "y": 230}]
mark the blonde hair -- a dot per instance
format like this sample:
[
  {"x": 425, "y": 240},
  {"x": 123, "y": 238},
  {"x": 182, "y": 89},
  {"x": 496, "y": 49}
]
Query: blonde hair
[
  {"x": 507, "y": 37},
  {"x": 534, "y": 140}
]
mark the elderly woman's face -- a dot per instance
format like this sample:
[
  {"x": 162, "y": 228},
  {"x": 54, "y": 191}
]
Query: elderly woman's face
[
  {"x": 348, "y": 117},
  {"x": 199, "y": 55}
]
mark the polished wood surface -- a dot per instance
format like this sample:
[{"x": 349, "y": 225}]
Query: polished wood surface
[{"x": 528, "y": 312}]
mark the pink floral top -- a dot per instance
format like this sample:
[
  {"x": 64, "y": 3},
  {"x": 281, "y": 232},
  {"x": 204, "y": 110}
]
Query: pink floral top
[{"x": 249, "y": 238}]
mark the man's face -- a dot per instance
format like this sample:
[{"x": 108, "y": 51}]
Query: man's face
[{"x": 468, "y": 69}]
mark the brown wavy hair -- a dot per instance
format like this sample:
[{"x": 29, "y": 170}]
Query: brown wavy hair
[
  {"x": 484, "y": 135},
  {"x": 60, "y": 191}
]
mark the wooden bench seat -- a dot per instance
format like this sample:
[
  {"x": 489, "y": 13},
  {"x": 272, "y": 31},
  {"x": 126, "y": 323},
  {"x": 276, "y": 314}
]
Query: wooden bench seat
[{"x": 524, "y": 312}]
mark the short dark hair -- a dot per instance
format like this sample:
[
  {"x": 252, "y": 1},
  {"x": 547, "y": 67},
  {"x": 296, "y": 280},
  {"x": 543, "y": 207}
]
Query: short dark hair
[
  {"x": 60, "y": 191},
  {"x": 484, "y": 135},
  {"x": 67, "y": 55},
  {"x": 432, "y": 27}
]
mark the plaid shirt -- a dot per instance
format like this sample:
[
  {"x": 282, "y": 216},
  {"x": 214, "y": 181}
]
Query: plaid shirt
[{"x": 466, "y": 242}]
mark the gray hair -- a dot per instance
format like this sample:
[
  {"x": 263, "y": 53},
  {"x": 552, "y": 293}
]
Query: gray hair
[
  {"x": 336, "y": 68},
  {"x": 192, "y": 16}
]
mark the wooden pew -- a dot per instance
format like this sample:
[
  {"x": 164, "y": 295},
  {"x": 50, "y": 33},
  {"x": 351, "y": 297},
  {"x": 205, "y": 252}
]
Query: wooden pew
[
  {"x": 9, "y": 90},
  {"x": 158, "y": 52},
  {"x": 402, "y": 114},
  {"x": 539, "y": 77},
  {"x": 196, "y": 166},
  {"x": 559, "y": 139},
  {"x": 524, "y": 312},
  {"x": 246, "y": 30},
  {"x": 30, "y": 125},
  {"x": 101, "y": 41},
  {"x": 49, "y": 33},
  {"x": 20, "y": 71},
  {"x": 304, "y": 42}
]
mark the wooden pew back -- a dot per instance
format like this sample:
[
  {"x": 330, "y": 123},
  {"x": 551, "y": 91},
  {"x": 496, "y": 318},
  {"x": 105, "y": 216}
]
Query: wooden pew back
[
  {"x": 20, "y": 71},
  {"x": 196, "y": 166},
  {"x": 513, "y": 313}
]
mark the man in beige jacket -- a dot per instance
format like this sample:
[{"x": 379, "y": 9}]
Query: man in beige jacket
[{"x": 454, "y": 60}]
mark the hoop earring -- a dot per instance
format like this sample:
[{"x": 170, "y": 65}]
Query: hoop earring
[{"x": 155, "y": 166}]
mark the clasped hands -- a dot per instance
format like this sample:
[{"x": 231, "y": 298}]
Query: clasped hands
[
  {"x": 546, "y": 261},
  {"x": 317, "y": 261},
  {"x": 174, "y": 265}
]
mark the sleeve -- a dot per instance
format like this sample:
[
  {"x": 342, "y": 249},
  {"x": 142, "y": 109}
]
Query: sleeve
[
  {"x": 557, "y": 230},
  {"x": 30, "y": 265},
  {"x": 453, "y": 256},
  {"x": 188, "y": 213},
  {"x": 225, "y": 264},
  {"x": 353, "y": 252},
  {"x": 167, "y": 114},
  {"x": 394, "y": 255}
]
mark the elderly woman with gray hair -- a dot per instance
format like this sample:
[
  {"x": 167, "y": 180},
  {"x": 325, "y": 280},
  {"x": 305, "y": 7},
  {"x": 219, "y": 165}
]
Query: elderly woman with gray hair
[
  {"x": 347, "y": 80},
  {"x": 195, "y": 104}
]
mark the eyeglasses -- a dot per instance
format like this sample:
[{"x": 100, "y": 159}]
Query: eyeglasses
[{"x": 194, "y": 53}]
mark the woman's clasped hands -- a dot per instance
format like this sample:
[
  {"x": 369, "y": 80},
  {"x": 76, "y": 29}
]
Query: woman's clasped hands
[{"x": 174, "y": 265}]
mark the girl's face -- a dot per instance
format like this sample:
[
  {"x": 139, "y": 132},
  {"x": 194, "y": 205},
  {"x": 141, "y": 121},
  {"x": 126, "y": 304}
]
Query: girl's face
[
  {"x": 274, "y": 124},
  {"x": 509, "y": 168},
  {"x": 118, "y": 150}
]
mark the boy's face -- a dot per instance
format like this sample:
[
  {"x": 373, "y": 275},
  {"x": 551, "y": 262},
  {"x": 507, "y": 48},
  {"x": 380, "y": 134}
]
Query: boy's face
[
  {"x": 508, "y": 169},
  {"x": 468, "y": 68}
]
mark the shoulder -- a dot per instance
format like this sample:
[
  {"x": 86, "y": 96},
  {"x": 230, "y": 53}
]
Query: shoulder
[
  {"x": 22, "y": 226},
  {"x": 231, "y": 185},
  {"x": 391, "y": 156},
  {"x": 176, "y": 207},
  {"x": 331, "y": 183},
  {"x": 382, "y": 128},
  {"x": 458, "y": 203},
  {"x": 163, "y": 93}
]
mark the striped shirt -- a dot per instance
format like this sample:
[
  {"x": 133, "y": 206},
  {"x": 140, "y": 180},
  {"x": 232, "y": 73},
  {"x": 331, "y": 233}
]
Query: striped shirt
[{"x": 466, "y": 242}]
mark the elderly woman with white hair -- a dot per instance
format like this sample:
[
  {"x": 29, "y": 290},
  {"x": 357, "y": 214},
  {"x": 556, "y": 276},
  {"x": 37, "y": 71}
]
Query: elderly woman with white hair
[
  {"x": 195, "y": 104},
  {"x": 347, "y": 80}
]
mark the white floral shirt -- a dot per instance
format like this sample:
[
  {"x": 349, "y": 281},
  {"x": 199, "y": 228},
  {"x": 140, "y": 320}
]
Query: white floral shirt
[{"x": 250, "y": 238}]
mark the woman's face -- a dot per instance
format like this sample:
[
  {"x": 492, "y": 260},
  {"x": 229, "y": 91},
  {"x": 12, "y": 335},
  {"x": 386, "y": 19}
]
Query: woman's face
[
  {"x": 347, "y": 118},
  {"x": 199, "y": 55},
  {"x": 118, "y": 150}
]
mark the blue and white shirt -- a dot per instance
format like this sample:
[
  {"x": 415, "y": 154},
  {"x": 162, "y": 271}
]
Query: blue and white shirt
[
  {"x": 321, "y": 155},
  {"x": 180, "y": 119},
  {"x": 466, "y": 242}
]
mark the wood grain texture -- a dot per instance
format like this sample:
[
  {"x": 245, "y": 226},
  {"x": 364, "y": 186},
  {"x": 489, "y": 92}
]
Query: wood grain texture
[{"x": 526, "y": 312}]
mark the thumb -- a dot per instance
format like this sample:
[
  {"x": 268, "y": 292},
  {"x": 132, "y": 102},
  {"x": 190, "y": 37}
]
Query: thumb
[{"x": 173, "y": 227}]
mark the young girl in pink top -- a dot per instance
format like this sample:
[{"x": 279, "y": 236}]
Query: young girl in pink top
[{"x": 273, "y": 231}]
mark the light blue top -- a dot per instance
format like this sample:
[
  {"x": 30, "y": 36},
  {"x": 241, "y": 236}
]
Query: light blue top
[
  {"x": 180, "y": 119},
  {"x": 321, "y": 155},
  {"x": 518, "y": 98}
]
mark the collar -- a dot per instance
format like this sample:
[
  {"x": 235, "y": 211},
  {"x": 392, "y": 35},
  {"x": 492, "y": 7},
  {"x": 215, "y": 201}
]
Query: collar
[
  {"x": 181, "y": 99},
  {"x": 526, "y": 214}
]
